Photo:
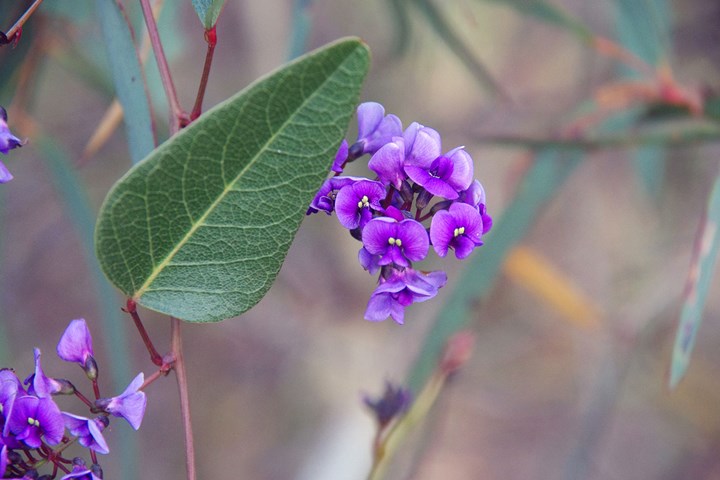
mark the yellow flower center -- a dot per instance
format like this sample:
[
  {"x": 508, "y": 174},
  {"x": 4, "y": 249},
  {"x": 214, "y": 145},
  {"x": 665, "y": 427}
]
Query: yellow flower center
[
  {"x": 395, "y": 241},
  {"x": 364, "y": 202},
  {"x": 459, "y": 231}
]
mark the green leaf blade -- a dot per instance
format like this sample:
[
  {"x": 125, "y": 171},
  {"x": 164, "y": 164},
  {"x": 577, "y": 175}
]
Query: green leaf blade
[
  {"x": 200, "y": 228},
  {"x": 208, "y": 11}
]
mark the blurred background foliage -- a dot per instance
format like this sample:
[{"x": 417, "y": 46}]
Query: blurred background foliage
[{"x": 593, "y": 126}]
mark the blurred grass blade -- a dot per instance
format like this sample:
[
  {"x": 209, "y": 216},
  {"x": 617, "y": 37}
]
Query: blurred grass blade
[
  {"x": 643, "y": 27},
  {"x": 551, "y": 14},
  {"x": 401, "y": 24},
  {"x": 650, "y": 165},
  {"x": 538, "y": 187},
  {"x": 459, "y": 48},
  {"x": 128, "y": 78},
  {"x": 77, "y": 208},
  {"x": 696, "y": 289},
  {"x": 301, "y": 26},
  {"x": 531, "y": 270},
  {"x": 107, "y": 126}
]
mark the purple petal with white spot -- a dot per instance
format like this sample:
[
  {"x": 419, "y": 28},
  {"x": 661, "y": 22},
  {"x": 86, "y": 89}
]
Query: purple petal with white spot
[
  {"x": 33, "y": 418},
  {"x": 445, "y": 224},
  {"x": 354, "y": 203}
]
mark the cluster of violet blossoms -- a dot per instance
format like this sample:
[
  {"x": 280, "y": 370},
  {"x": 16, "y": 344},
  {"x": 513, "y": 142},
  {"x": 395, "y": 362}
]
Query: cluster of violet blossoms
[
  {"x": 35, "y": 432},
  {"x": 415, "y": 184},
  {"x": 8, "y": 141}
]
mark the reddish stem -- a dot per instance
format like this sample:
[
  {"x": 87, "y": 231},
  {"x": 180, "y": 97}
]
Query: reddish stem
[
  {"x": 17, "y": 28},
  {"x": 84, "y": 399},
  {"x": 178, "y": 116},
  {"x": 131, "y": 308},
  {"x": 211, "y": 39},
  {"x": 184, "y": 398}
]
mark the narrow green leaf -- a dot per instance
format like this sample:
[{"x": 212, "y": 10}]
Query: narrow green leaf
[
  {"x": 300, "y": 28},
  {"x": 649, "y": 163},
  {"x": 549, "y": 13},
  {"x": 208, "y": 11},
  {"x": 540, "y": 184},
  {"x": 200, "y": 228},
  {"x": 128, "y": 78},
  {"x": 643, "y": 27},
  {"x": 698, "y": 284}
]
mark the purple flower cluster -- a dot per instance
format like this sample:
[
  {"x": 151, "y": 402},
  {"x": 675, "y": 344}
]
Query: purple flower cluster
[
  {"x": 8, "y": 141},
  {"x": 415, "y": 185},
  {"x": 32, "y": 424}
]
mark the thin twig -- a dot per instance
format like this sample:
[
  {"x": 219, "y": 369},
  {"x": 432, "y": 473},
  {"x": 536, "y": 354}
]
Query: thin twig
[
  {"x": 184, "y": 398},
  {"x": 178, "y": 117},
  {"x": 21, "y": 21},
  {"x": 211, "y": 39},
  {"x": 131, "y": 308}
]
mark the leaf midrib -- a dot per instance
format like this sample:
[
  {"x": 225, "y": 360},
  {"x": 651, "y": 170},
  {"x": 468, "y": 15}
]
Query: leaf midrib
[{"x": 200, "y": 222}]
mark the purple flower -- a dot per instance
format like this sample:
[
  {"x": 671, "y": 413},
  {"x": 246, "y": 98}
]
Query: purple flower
[
  {"x": 355, "y": 201},
  {"x": 396, "y": 242},
  {"x": 40, "y": 384},
  {"x": 340, "y": 157},
  {"x": 394, "y": 402},
  {"x": 375, "y": 129},
  {"x": 129, "y": 405},
  {"x": 81, "y": 472},
  {"x": 34, "y": 417},
  {"x": 75, "y": 345},
  {"x": 325, "y": 197},
  {"x": 401, "y": 289},
  {"x": 388, "y": 163},
  {"x": 368, "y": 261},
  {"x": 445, "y": 175},
  {"x": 422, "y": 144},
  {"x": 460, "y": 228},
  {"x": 8, "y": 141},
  {"x": 88, "y": 431}
]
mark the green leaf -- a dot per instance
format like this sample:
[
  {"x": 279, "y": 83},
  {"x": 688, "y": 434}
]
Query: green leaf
[
  {"x": 128, "y": 78},
  {"x": 200, "y": 228},
  {"x": 208, "y": 11},
  {"x": 698, "y": 284}
]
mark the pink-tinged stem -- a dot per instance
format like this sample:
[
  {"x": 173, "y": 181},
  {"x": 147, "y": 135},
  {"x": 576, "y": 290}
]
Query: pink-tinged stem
[
  {"x": 184, "y": 398},
  {"x": 178, "y": 117},
  {"x": 21, "y": 21},
  {"x": 211, "y": 39},
  {"x": 131, "y": 308}
]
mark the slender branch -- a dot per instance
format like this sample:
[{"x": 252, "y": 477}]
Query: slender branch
[
  {"x": 131, "y": 308},
  {"x": 211, "y": 39},
  {"x": 21, "y": 21},
  {"x": 178, "y": 117},
  {"x": 184, "y": 398}
]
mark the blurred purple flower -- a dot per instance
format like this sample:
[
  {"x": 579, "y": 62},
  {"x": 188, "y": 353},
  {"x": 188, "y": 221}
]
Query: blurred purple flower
[
  {"x": 129, "y": 405},
  {"x": 401, "y": 289},
  {"x": 460, "y": 228},
  {"x": 396, "y": 242},
  {"x": 355, "y": 201},
  {"x": 34, "y": 417},
  {"x": 394, "y": 402},
  {"x": 88, "y": 431},
  {"x": 8, "y": 141},
  {"x": 75, "y": 345},
  {"x": 375, "y": 129},
  {"x": 81, "y": 472}
]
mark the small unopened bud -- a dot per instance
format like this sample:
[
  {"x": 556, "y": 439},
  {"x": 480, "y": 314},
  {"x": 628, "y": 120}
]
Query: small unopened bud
[
  {"x": 406, "y": 191},
  {"x": 66, "y": 388},
  {"x": 458, "y": 350},
  {"x": 423, "y": 199},
  {"x": 356, "y": 150},
  {"x": 444, "y": 205},
  {"x": 96, "y": 470},
  {"x": 91, "y": 368}
]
